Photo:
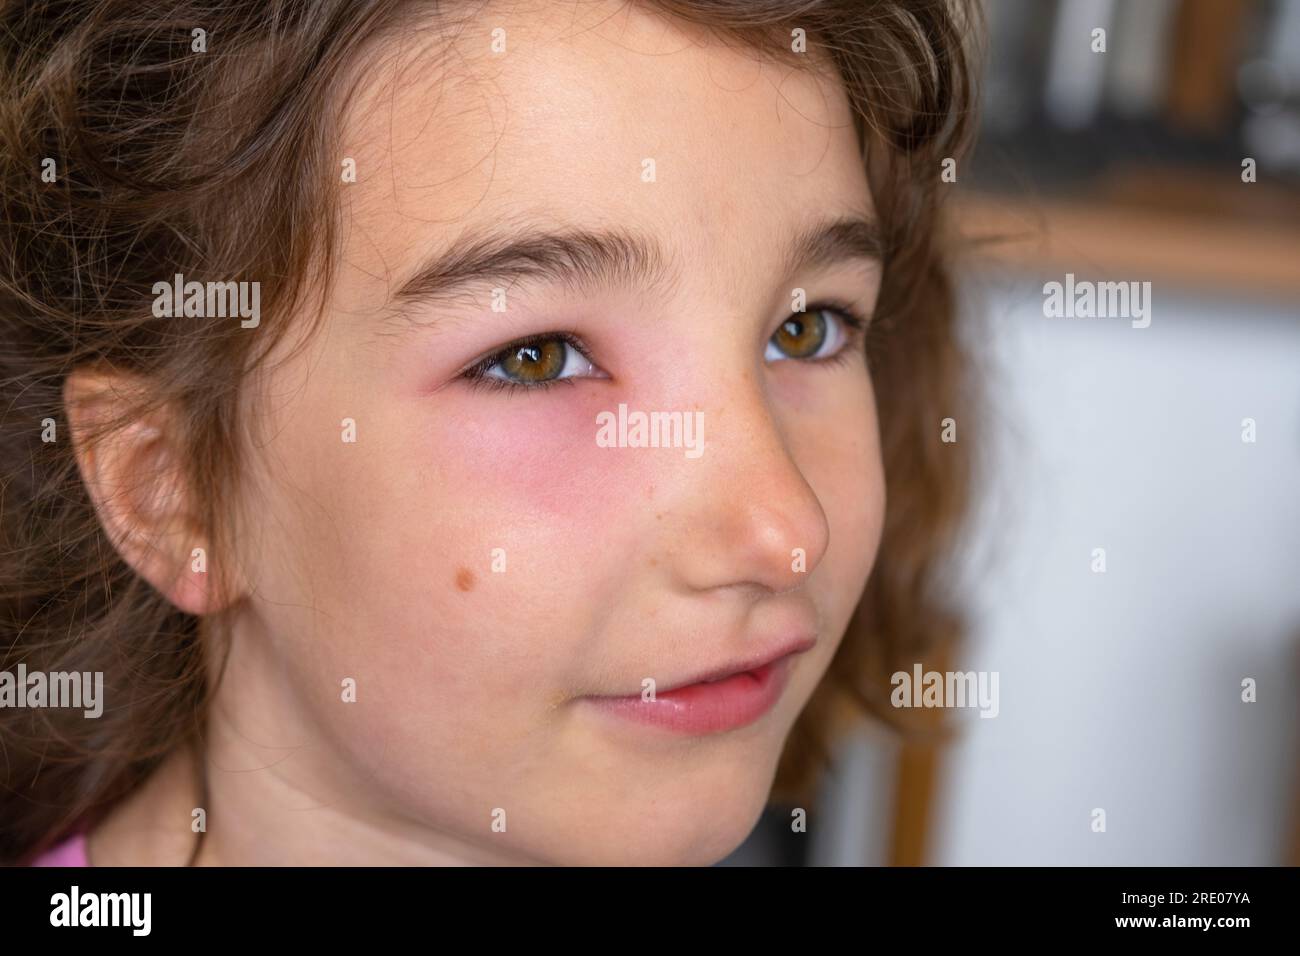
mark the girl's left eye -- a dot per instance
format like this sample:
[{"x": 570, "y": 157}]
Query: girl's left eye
[{"x": 817, "y": 334}]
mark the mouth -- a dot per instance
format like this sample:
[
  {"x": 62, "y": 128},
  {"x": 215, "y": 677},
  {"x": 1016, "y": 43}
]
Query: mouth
[
  {"x": 718, "y": 700},
  {"x": 738, "y": 667}
]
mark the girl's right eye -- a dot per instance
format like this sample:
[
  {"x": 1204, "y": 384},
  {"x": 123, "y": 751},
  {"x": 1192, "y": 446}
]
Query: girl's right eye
[{"x": 535, "y": 362}]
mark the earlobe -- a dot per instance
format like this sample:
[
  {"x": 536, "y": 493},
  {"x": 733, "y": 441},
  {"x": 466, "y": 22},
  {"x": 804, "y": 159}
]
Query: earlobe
[{"x": 130, "y": 461}]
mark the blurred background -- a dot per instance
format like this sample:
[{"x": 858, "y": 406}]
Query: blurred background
[{"x": 1170, "y": 155}]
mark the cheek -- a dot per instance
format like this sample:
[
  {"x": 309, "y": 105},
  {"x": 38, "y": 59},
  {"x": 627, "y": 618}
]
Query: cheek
[
  {"x": 532, "y": 460},
  {"x": 471, "y": 545}
]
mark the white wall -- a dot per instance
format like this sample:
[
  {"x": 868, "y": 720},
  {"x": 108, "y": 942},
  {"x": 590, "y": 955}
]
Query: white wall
[{"x": 1122, "y": 690}]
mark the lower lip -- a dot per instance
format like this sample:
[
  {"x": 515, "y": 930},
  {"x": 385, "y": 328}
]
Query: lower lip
[{"x": 707, "y": 708}]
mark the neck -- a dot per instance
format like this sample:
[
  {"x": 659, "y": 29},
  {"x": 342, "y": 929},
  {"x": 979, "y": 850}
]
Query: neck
[{"x": 277, "y": 795}]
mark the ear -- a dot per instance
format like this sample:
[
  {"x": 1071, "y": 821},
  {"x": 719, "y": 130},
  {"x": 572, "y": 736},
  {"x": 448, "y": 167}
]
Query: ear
[{"x": 138, "y": 486}]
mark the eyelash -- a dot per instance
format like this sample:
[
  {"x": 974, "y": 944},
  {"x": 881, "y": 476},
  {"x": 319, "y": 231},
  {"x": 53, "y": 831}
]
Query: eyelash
[{"x": 477, "y": 375}]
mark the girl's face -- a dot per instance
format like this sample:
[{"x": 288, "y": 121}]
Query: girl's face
[{"x": 477, "y": 560}]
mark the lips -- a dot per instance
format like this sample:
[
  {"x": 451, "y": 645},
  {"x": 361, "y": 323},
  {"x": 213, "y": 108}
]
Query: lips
[
  {"x": 721, "y": 699},
  {"x": 742, "y": 666}
]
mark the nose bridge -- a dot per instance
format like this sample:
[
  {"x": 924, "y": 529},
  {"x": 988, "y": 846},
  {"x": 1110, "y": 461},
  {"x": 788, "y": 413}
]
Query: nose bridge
[{"x": 751, "y": 515}]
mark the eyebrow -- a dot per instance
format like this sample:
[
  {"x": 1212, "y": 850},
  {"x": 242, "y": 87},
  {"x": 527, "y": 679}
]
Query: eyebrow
[{"x": 582, "y": 258}]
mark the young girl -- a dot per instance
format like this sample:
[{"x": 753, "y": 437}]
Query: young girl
[{"x": 493, "y": 433}]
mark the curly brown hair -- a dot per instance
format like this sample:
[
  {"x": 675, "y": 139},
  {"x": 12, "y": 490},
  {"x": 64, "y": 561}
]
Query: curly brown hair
[{"x": 162, "y": 159}]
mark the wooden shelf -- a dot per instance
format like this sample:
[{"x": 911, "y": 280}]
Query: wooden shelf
[{"x": 1124, "y": 240}]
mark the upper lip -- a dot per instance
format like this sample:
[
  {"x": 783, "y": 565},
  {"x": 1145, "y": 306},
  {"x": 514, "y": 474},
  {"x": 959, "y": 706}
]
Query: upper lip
[{"x": 748, "y": 663}]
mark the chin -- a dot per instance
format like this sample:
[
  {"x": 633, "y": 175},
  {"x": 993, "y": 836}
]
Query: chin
[{"x": 697, "y": 824}]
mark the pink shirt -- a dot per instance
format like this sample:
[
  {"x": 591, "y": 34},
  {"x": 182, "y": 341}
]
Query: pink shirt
[{"x": 71, "y": 852}]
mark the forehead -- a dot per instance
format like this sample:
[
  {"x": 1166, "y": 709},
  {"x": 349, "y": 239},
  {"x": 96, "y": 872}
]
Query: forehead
[{"x": 598, "y": 113}]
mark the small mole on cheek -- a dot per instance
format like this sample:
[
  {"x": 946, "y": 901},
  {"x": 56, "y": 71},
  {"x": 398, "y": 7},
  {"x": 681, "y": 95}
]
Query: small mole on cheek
[{"x": 465, "y": 579}]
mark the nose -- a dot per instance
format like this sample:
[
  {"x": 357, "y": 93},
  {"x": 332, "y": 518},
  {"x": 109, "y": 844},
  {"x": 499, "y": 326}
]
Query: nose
[{"x": 750, "y": 518}]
